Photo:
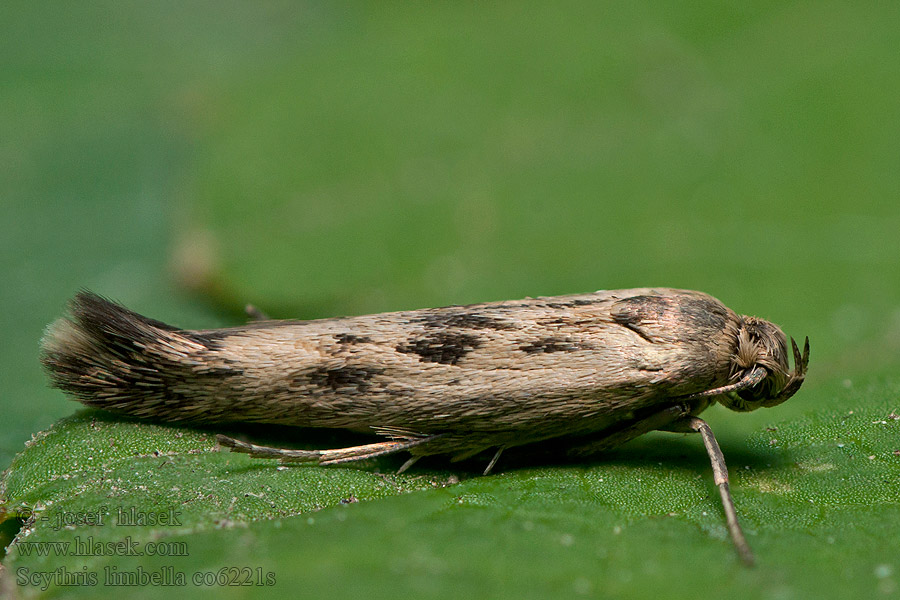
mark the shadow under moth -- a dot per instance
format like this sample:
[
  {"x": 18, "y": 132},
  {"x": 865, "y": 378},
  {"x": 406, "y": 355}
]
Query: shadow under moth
[{"x": 580, "y": 373}]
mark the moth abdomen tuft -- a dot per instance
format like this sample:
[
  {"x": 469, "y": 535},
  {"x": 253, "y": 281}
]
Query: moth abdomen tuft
[{"x": 110, "y": 357}]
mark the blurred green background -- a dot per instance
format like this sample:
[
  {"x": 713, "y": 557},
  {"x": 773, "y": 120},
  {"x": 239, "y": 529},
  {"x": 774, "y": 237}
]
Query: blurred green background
[{"x": 323, "y": 159}]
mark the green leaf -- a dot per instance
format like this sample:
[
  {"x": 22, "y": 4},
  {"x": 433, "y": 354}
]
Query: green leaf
[
  {"x": 320, "y": 159},
  {"x": 817, "y": 496}
]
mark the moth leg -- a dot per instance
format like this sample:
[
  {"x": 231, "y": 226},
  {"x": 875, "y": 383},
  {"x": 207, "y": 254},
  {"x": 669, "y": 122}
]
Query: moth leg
[
  {"x": 676, "y": 418},
  {"x": 412, "y": 460},
  {"x": 720, "y": 476},
  {"x": 494, "y": 460},
  {"x": 321, "y": 457}
]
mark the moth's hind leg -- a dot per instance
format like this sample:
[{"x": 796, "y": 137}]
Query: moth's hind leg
[{"x": 322, "y": 457}]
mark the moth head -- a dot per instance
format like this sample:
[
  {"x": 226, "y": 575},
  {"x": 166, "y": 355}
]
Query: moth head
[{"x": 760, "y": 369}]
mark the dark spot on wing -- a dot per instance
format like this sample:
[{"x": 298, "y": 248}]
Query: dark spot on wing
[
  {"x": 585, "y": 302},
  {"x": 510, "y": 306},
  {"x": 348, "y": 379},
  {"x": 694, "y": 317},
  {"x": 461, "y": 320},
  {"x": 572, "y": 303},
  {"x": 445, "y": 347},
  {"x": 704, "y": 313},
  {"x": 641, "y": 308},
  {"x": 349, "y": 338},
  {"x": 554, "y": 344},
  {"x": 633, "y": 312}
]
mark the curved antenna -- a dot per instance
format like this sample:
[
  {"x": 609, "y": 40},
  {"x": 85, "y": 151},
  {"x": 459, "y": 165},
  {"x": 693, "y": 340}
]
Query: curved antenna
[{"x": 801, "y": 363}]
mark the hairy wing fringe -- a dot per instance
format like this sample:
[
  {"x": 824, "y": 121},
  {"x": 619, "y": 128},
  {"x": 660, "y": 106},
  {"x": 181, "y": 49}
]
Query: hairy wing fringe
[{"x": 108, "y": 356}]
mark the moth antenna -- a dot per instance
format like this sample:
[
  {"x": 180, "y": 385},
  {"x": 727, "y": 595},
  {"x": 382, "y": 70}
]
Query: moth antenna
[{"x": 801, "y": 364}]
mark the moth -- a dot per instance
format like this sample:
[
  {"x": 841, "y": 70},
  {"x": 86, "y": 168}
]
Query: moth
[{"x": 578, "y": 374}]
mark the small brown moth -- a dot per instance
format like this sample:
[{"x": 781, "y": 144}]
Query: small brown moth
[{"x": 580, "y": 373}]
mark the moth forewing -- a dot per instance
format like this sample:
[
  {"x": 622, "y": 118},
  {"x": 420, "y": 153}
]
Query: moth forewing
[{"x": 585, "y": 371}]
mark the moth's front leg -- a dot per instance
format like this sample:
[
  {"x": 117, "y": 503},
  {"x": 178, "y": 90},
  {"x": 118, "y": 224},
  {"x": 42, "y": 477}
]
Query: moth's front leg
[
  {"x": 720, "y": 476},
  {"x": 678, "y": 419}
]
